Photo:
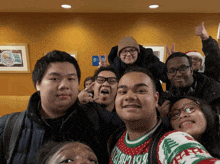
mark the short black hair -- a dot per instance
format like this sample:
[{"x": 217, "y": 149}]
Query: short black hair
[
  {"x": 52, "y": 57},
  {"x": 142, "y": 70},
  {"x": 106, "y": 68},
  {"x": 87, "y": 79},
  {"x": 179, "y": 54}
]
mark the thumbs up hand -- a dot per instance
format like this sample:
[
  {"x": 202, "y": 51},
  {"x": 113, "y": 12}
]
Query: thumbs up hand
[{"x": 201, "y": 32}]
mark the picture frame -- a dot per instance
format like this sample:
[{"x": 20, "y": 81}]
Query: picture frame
[
  {"x": 159, "y": 51},
  {"x": 14, "y": 58},
  {"x": 73, "y": 54}
]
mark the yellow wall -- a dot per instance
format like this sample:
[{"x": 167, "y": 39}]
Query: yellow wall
[{"x": 93, "y": 34}]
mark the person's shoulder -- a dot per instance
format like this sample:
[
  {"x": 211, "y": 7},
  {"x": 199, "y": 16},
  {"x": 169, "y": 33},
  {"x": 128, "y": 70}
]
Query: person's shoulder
[
  {"x": 174, "y": 144},
  {"x": 3, "y": 120}
]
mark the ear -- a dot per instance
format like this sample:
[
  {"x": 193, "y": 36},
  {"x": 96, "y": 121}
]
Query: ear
[
  {"x": 37, "y": 86},
  {"x": 156, "y": 97},
  {"x": 191, "y": 70}
]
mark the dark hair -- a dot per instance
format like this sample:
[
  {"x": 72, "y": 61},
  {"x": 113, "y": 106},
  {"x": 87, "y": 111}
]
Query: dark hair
[
  {"x": 107, "y": 68},
  {"x": 52, "y": 57},
  {"x": 209, "y": 138},
  {"x": 179, "y": 54},
  {"x": 142, "y": 70},
  {"x": 87, "y": 79}
]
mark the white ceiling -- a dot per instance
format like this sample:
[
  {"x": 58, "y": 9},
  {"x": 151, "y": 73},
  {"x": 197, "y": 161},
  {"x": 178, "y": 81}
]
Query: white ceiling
[{"x": 112, "y": 6}]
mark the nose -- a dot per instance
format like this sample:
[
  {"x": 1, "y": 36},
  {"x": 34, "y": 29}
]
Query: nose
[
  {"x": 178, "y": 73},
  {"x": 184, "y": 114},
  {"x": 128, "y": 53},
  {"x": 64, "y": 84},
  {"x": 130, "y": 96}
]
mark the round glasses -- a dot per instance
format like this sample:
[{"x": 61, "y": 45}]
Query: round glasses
[
  {"x": 131, "y": 51},
  {"x": 110, "y": 80},
  {"x": 188, "y": 108},
  {"x": 182, "y": 69}
]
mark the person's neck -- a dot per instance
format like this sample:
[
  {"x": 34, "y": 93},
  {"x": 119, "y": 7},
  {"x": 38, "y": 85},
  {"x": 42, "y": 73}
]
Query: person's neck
[
  {"x": 49, "y": 114},
  {"x": 110, "y": 107},
  {"x": 137, "y": 129}
]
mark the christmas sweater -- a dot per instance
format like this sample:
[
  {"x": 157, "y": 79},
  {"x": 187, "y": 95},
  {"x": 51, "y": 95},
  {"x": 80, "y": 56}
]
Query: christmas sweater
[{"x": 173, "y": 148}]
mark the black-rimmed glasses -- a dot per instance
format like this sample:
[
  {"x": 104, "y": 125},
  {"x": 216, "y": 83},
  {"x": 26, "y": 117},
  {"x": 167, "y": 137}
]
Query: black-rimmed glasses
[
  {"x": 182, "y": 69},
  {"x": 110, "y": 80}
]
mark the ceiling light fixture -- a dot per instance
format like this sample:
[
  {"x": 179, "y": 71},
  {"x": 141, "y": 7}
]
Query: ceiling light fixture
[
  {"x": 65, "y": 6},
  {"x": 153, "y": 6}
]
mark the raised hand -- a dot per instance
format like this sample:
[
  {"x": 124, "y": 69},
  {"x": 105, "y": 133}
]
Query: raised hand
[
  {"x": 201, "y": 32},
  {"x": 164, "y": 108},
  {"x": 84, "y": 96},
  {"x": 101, "y": 62},
  {"x": 169, "y": 52}
]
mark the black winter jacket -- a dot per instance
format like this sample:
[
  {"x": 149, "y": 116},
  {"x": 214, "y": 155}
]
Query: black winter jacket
[
  {"x": 212, "y": 58},
  {"x": 146, "y": 59},
  {"x": 203, "y": 88},
  {"x": 88, "y": 124}
]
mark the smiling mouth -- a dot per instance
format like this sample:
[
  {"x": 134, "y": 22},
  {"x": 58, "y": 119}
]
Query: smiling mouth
[
  {"x": 186, "y": 124},
  {"x": 131, "y": 106}
]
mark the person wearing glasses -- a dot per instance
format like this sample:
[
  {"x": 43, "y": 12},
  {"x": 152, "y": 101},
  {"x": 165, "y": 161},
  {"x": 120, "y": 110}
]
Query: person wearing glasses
[
  {"x": 144, "y": 138},
  {"x": 195, "y": 117},
  {"x": 128, "y": 53},
  {"x": 104, "y": 87},
  {"x": 185, "y": 83},
  {"x": 197, "y": 61}
]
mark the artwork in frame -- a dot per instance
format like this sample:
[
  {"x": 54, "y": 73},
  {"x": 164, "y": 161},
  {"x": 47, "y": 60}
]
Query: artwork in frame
[
  {"x": 159, "y": 51},
  {"x": 73, "y": 54},
  {"x": 14, "y": 58}
]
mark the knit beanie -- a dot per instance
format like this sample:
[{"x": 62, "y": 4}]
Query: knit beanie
[
  {"x": 127, "y": 41},
  {"x": 190, "y": 53}
]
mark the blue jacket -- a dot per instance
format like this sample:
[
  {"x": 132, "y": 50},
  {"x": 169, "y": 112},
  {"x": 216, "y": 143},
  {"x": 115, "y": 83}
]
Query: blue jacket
[{"x": 88, "y": 124}]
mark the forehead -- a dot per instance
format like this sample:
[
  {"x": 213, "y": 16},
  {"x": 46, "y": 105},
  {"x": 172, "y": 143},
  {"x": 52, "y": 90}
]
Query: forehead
[
  {"x": 177, "y": 61},
  {"x": 194, "y": 56},
  {"x": 88, "y": 81},
  {"x": 107, "y": 74},
  {"x": 71, "y": 149},
  {"x": 181, "y": 103},
  {"x": 60, "y": 67},
  {"x": 133, "y": 78},
  {"x": 74, "y": 148},
  {"x": 127, "y": 48}
]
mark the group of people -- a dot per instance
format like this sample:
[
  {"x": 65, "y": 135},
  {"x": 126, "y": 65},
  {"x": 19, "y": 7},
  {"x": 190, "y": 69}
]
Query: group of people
[{"x": 123, "y": 115}]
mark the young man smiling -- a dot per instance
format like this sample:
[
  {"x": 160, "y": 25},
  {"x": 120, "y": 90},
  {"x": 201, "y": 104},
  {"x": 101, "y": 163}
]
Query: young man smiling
[
  {"x": 136, "y": 103},
  {"x": 54, "y": 114}
]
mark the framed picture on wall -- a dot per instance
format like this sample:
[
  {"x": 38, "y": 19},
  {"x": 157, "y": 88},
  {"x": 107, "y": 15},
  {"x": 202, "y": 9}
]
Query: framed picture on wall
[
  {"x": 14, "y": 58},
  {"x": 73, "y": 54},
  {"x": 159, "y": 51}
]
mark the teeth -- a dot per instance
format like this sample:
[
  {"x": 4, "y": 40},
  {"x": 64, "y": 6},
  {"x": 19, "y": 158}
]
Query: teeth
[
  {"x": 105, "y": 92},
  {"x": 131, "y": 106},
  {"x": 186, "y": 123}
]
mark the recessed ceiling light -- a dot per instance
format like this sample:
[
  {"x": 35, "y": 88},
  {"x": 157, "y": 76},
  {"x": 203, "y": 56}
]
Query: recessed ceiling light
[
  {"x": 153, "y": 6},
  {"x": 65, "y": 6}
]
